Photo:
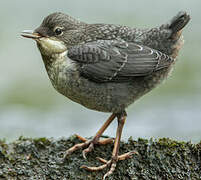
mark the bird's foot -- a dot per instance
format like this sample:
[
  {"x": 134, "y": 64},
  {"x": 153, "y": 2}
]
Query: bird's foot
[
  {"x": 89, "y": 143},
  {"x": 111, "y": 163}
]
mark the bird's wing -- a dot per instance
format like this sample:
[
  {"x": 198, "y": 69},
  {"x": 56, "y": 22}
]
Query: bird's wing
[{"x": 117, "y": 60}]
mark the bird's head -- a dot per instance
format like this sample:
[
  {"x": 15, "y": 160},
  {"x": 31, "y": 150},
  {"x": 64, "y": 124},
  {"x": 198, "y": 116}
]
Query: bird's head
[{"x": 54, "y": 34}]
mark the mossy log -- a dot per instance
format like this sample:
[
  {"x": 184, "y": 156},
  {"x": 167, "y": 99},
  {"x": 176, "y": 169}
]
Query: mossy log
[{"x": 41, "y": 159}]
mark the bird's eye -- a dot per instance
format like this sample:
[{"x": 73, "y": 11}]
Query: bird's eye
[{"x": 58, "y": 31}]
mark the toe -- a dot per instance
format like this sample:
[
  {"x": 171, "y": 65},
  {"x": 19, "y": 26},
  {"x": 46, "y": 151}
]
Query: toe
[
  {"x": 81, "y": 138},
  {"x": 87, "y": 150},
  {"x": 112, "y": 168}
]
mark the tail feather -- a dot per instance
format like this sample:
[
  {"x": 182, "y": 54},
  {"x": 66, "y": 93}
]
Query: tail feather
[
  {"x": 179, "y": 21},
  {"x": 176, "y": 25}
]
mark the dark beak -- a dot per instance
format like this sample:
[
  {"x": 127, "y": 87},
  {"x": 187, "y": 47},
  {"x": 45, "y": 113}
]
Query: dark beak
[{"x": 30, "y": 34}]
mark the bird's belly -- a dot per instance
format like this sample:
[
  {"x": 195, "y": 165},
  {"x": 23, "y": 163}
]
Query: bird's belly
[{"x": 106, "y": 97}]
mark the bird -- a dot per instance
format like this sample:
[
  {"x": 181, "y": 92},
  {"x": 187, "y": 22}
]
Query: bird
[{"x": 106, "y": 67}]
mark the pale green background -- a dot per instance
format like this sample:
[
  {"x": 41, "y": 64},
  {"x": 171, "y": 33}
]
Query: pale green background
[{"x": 30, "y": 106}]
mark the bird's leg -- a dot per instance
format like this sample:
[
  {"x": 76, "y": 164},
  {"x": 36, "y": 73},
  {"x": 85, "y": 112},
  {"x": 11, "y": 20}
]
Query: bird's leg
[
  {"x": 112, "y": 163},
  {"x": 115, "y": 152},
  {"x": 94, "y": 140}
]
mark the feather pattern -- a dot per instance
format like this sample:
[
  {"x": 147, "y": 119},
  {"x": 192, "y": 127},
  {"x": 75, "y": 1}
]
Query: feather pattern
[{"x": 117, "y": 60}]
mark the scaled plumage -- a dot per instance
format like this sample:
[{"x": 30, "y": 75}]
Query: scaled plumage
[{"x": 106, "y": 67}]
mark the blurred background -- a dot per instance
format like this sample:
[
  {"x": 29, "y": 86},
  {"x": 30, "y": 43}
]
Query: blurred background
[{"x": 29, "y": 105}]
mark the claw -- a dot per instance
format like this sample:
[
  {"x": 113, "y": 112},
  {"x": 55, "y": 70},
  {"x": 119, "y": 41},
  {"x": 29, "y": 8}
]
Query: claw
[
  {"x": 76, "y": 147},
  {"x": 112, "y": 163},
  {"x": 127, "y": 155},
  {"x": 101, "y": 160},
  {"x": 90, "y": 143},
  {"x": 95, "y": 140},
  {"x": 84, "y": 154},
  {"x": 112, "y": 168},
  {"x": 85, "y": 143}
]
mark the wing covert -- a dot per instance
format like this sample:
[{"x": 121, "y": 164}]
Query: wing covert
[{"x": 117, "y": 60}]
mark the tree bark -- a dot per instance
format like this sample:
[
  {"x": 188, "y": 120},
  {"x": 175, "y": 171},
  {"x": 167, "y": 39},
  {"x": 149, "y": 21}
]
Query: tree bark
[{"x": 41, "y": 159}]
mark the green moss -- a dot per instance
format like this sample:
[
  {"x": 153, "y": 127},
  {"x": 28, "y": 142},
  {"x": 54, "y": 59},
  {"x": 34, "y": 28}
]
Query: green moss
[
  {"x": 42, "y": 141},
  {"x": 3, "y": 148},
  {"x": 42, "y": 158}
]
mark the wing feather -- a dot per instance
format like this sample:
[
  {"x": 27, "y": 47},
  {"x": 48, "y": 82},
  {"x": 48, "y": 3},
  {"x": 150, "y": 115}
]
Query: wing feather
[{"x": 117, "y": 60}]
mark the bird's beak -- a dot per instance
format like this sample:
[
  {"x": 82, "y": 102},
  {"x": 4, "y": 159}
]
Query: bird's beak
[{"x": 30, "y": 34}]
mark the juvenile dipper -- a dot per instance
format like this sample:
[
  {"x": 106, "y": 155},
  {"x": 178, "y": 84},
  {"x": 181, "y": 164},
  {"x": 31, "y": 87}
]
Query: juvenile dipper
[{"x": 106, "y": 67}]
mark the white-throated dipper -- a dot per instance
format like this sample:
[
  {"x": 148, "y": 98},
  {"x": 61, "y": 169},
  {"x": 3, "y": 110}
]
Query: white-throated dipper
[{"x": 106, "y": 67}]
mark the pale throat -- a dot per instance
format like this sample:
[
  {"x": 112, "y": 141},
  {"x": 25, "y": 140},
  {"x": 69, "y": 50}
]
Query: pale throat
[
  {"x": 50, "y": 46},
  {"x": 54, "y": 54}
]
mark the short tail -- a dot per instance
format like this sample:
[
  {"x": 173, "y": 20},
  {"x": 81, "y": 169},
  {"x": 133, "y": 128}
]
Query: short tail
[{"x": 179, "y": 22}]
